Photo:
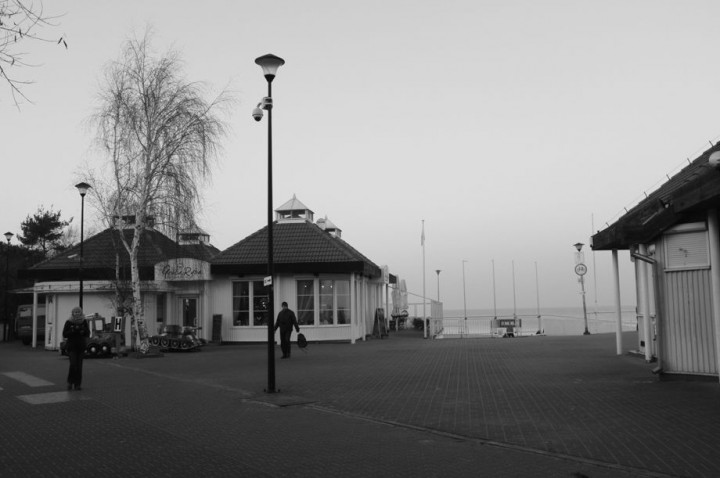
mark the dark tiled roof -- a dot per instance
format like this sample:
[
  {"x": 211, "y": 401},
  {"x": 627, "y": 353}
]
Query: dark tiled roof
[
  {"x": 297, "y": 247},
  {"x": 683, "y": 198},
  {"x": 99, "y": 254}
]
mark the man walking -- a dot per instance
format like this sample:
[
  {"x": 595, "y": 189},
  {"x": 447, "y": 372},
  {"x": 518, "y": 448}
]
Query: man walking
[{"x": 286, "y": 320}]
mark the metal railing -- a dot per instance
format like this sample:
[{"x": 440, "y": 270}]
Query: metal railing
[{"x": 461, "y": 327}]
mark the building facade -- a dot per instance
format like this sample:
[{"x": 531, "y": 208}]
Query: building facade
[
  {"x": 335, "y": 290},
  {"x": 674, "y": 240}
]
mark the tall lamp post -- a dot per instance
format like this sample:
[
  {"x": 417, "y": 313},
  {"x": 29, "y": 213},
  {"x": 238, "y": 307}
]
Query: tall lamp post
[
  {"x": 438, "y": 278},
  {"x": 269, "y": 64},
  {"x": 8, "y": 236},
  {"x": 83, "y": 189},
  {"x": 581, "y": 270},
  {"x": 464, "y": 300}
]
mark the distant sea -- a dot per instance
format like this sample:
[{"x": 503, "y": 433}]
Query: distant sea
[{"x": 553, "y": 321}]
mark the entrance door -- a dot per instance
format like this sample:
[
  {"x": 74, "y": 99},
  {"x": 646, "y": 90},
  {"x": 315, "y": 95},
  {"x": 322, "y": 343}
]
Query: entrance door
[{"x": 188, "y": 306}]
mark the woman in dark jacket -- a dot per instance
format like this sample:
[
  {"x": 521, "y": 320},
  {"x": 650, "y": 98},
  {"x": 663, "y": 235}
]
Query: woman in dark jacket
[{"x": 76, "y": 330}]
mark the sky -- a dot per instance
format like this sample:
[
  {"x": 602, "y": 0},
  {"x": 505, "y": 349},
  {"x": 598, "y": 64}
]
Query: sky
[{"x": 511, "y": 129}]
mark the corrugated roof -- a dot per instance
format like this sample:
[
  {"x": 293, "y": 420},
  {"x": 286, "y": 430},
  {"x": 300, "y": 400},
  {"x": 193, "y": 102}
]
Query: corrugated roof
[{"x": 693, "y": 188}]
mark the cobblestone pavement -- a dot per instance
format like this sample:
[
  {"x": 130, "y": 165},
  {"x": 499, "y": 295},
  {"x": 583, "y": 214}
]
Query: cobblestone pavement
[{"x": 401, "y": 406}]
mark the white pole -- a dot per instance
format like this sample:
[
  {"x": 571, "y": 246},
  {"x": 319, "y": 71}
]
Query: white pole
[
  {"x": 592, "y": 220},
  {"x": 645, "y": 297},
  {"x": 537, "y": 295},
  {"x": 494, "y": 295},
  {"x": 353, "y": 308},
  {"x": 423, "y": 251},
  {"x": 714, "y": 237},
  {"x": 618, "y": 310},
  {"x": 464, "y": 298},
  {"x": 513, "y": 282}
]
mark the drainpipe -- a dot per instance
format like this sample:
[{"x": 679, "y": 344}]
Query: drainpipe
[
  {"x": 645, "y": 298},
  {"x": 618, "y": 309},
  {"x": 714, "y": 237}
]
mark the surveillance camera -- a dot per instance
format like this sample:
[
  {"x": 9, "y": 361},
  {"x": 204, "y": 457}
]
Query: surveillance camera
[
  {"x": 257, "y": 114},
  {"x": 714, "y": 160}
]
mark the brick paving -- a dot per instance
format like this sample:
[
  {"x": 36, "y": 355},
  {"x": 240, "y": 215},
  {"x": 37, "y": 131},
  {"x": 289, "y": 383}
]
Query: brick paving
[{"x": 402, "y": 406}]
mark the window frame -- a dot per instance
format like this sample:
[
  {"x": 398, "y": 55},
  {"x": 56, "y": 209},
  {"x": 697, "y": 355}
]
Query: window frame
[
  {"x": 318, "y": 300},
  {"x": 251, "y": 284}
]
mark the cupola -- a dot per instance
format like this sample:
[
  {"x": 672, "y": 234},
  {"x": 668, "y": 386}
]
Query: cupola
[
  {"x": 293, "y": 211},
  {"x": 193, "y": 235},
  {"x": 328, "y": 226}
]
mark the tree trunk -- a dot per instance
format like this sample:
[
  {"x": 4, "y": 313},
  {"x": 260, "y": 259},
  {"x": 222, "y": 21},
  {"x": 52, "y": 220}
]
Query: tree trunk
[{"x": 138, "y": 309}]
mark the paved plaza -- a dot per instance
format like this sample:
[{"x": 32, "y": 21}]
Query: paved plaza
[{"x": 401, "y": 406}]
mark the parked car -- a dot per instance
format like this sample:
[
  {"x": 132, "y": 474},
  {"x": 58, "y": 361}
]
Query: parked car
[{"x": 24, "y": 322}]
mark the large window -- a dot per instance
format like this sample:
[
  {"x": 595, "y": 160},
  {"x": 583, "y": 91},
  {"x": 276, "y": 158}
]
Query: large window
[
  {"x": 333, "y": 300},
  {"x": 306, "y": 302},
  {"x": 342, "y": 301},
  {"x": 250, "y": 303}
]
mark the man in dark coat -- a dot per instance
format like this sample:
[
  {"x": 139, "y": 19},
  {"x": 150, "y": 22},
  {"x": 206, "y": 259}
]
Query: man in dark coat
[{"x": 286, "y": 320}]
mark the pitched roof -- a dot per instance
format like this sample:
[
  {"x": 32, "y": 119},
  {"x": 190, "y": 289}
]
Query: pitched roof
[
  {"x": 684, "y": 197},
  {"x": 293, "y": 204},
  {"x": 297, "y": 247},
  {"x": 99, "y": 256}
]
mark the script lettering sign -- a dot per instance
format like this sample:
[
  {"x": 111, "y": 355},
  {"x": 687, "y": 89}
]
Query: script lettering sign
[{"x": 186, "y": 269}]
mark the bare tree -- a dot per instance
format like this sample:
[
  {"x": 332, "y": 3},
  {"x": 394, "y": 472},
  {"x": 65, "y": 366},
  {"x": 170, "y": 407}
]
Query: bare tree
[
  {"x": 20, "y": 21},
  {"x": 159, "y": 136}
]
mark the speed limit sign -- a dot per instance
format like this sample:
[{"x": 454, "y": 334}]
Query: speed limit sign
[{"x": 580, "y": 269}]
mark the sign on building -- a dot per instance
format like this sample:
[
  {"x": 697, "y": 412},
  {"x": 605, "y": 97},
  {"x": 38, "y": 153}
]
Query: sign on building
[{"x": 185, "y": 269}]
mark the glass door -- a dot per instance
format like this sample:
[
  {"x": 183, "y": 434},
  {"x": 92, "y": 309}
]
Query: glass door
[{"x": 188, "y": 308}]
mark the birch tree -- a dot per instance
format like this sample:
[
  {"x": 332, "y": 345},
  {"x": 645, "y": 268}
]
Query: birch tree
[
  {"x": 159, "y": 136},
  {"x": 21, "y": 22}
]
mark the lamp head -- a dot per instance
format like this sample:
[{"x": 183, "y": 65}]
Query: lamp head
[
  {"x": 579, "y": 246},
  {"x": 8, "y": 236},
  {"x": 269, "y": 64},
  {"x": 83, "y": 188}
]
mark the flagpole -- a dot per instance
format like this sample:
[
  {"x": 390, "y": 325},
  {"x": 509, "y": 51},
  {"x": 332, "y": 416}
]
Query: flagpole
[{"x": 422, "y": 242}]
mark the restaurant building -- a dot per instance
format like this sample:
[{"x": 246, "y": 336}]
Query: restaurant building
[{"x": 334, "y": 289}]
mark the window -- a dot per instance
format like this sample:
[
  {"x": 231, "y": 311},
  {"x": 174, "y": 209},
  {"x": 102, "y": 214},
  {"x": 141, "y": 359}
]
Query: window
[
  {"x": 334, "y": 301},
  {"x": 342, "y": 296},
  {"x": 687, "y": 247},
  {"x": 306, "y": 302},
  {"x": 250, "y": 303},
  {"x": 260, "y": 303},
  {"x": 327, "y": 302}
]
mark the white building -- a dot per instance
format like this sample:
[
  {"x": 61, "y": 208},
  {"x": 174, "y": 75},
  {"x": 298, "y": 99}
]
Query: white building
[{"x": 334, "y": 289}]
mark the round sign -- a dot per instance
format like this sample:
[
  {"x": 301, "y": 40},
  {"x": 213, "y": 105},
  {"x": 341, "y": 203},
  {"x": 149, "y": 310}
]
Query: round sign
[{"x": 580, "y": 269}]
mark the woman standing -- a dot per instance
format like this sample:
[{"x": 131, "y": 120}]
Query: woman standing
[{"x": 76, "y": 330}]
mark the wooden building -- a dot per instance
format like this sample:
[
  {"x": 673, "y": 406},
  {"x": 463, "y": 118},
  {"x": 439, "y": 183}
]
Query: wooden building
[{"x": 674, "y": 239}]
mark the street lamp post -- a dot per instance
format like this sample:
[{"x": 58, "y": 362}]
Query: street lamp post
[
  {"x": 8, "y": 236},
  {"x": 438, "y": 278},
  {"x": 82, "y": 188},
  {"x": 269, "y": 64},
  {"x": 464, "y": 299},
  {"x": 580, "y": 270}
]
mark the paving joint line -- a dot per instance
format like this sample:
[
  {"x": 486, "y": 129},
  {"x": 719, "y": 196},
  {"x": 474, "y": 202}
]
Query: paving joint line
[{"x": 495, "y": 443}]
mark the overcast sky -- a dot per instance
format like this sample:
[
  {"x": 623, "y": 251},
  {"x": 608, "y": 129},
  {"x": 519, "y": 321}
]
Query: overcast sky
[{"x": 511, "y": 127}]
